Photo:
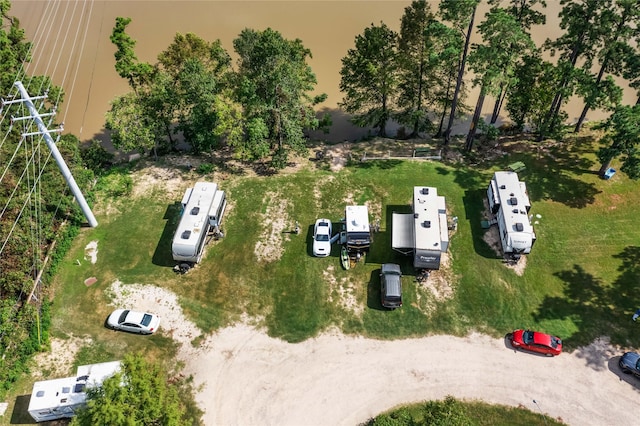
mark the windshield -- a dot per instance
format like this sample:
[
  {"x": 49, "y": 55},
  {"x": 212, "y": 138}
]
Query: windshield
[{"x": 146, "y": 319}]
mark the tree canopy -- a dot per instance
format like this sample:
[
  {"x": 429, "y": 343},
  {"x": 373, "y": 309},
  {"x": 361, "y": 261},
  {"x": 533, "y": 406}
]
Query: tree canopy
[{"x": 141, "y": 394}]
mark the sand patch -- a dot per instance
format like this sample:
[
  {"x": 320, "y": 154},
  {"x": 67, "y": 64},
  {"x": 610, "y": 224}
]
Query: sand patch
[
  {"x": 58, "y": 362},
  {"x": 276, "y": 228},
  {"x": 91, "y": 252},
  {"x": 342, "y": 292},
  {"x": 165, "y": 304}
]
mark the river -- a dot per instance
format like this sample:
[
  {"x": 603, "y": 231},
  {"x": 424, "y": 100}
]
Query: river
[{"x": 71, "y": 44}]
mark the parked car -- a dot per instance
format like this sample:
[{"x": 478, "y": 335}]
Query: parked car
[
  {"x": 133, "y": 321},
  {"x": 322, "y": 238},
  {"x": 535, "y": 341},
  {"x": 630, "y": 363},
  {"x": 391, "y": 285}
]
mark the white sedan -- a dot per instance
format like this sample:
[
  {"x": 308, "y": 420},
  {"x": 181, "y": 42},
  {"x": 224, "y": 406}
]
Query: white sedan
[
  {"x": 322, "y": 238},
  {"x": 133, "y": 321}
]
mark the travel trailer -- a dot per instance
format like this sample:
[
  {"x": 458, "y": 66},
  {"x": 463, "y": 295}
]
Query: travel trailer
[
  {"x": 358, "y": 233},
  {"x": 202, "y": 211},
  {"x": 509, "y": 205},
  {"x": 61, "y": 398},
  {"x": 423, "y": 233}
]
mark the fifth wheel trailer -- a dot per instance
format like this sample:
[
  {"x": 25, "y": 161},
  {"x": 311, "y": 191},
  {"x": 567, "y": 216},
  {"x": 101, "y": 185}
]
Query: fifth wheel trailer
[
  {"x": 423, "y": 233},
  {"x": 509, "y": 204},
  {"x": 202, "y": 211}
]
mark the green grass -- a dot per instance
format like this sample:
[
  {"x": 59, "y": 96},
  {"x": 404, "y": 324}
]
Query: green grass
[
  {"x": 580, "y": 282},
  {"x": 453, "y": 412},
  {"x": 575, "y": 285}
]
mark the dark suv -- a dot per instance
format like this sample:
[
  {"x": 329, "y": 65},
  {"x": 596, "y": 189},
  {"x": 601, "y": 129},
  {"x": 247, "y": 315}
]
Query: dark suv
[{"x": 391, "y": 285}]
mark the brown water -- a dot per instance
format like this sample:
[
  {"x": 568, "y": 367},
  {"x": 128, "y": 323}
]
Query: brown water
[{"x": 72, "y": 44}]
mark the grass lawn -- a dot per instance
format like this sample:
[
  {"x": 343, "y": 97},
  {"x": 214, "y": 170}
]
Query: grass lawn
[{"x": 579, "y": 281}]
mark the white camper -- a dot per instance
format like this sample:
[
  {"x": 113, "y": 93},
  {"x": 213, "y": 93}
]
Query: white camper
[
  {"x": 509, "y": 204},
  {"x": 61, "y": 398},
  {"x": 202, "y": 210},
  {"x": 358, "y": 233},
  {"x": 423, "y": 233}
]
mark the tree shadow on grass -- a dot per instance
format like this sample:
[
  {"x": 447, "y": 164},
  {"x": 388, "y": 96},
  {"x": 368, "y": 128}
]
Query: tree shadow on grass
[
  {"x": 550, "y": 171},
  {"x": 598, "y": 309},
  {"x": 378, "y": 164}
]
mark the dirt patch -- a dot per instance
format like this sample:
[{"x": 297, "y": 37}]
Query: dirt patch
[
  {"x": 342, "y": 292},
  {"x": 439, "y": 282},
  {"x": 167, "y": 179},
  {"x": 91, "y": 252},
  {"x": 58, "y": 362},
  {"x": 275, "y": 228},
  {"x": 165, "y": 304}
]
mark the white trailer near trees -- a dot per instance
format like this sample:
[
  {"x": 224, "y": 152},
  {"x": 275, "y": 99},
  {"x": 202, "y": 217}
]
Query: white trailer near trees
[
  {"x": 61, "y": 398},
  {"x": 509, "y": 206},
  {"x": 202, "y": 211},
  {"x": 423, "y": 233}
]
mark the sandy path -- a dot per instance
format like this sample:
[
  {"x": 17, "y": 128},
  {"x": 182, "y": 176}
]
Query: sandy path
[
  {"x": 244, "y": 377},
  {"x": 249, "y": 378}
]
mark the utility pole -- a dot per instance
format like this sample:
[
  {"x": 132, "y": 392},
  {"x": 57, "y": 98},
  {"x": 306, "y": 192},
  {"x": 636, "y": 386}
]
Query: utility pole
[{"x": 66, "y": 173}]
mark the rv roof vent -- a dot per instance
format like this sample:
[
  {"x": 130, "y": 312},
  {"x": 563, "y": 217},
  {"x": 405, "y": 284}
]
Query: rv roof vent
[
  {"x": 195, "y": 211},
  {"x": 426, "y": 224},
  {"x": 519, "y": 227},
  {"x": 40, "y": 393},
  {"x": 515, "y": 210},
  {"x": 186, "y": 235},
  {"x": 79, "y": 387},
  {"x": 63, "y": 400},
  {"x": 415, "y": 215},
  {"x": 66, "y": 389},
  {"x": 514, "y": 201},
  {"x": 503, "y": 186},
  {"x": 424, "y": 191}
]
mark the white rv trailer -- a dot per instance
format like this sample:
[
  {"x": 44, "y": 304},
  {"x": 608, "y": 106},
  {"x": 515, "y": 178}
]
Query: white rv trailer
[
  {"x": 202, "y": 210},
  {"x": 423, "y": 233},
  {"x": 358, "y": 232},
  {"x": 61, "y": 398},
  {"x": 510, "y": 205}
]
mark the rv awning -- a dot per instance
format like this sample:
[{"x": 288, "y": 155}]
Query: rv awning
[{"x": 402, "y": 231}]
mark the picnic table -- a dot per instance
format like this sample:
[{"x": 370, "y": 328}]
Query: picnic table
[{"x": 518, "y": 166}]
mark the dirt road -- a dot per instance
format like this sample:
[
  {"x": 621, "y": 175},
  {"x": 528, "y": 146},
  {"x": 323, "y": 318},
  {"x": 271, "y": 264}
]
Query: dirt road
[
  {"x": 249, "y": 378},
  {"x": 245, "y": 377}
]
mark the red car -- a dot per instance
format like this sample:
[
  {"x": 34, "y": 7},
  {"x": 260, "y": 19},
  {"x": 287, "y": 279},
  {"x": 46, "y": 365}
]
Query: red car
[{"x": 536, "y": 341}]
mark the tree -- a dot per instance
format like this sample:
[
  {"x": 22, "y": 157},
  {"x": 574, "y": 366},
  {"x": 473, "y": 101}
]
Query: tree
[
  {"x": 14, "y": 49},
  {"x": 618, "y": 24},
  {"x": 528, "y": 99},
  {"x": 369, "y": 77},
  {"x": 460, "y": 13},
  {"x": 524, "y": 13},
  {"x": 494, "y": 62},
  {"x": 199, "y": 79},
  {"x": 273, "y": 83},
  {"x": 445, "y": 49},
  {"x": 581, "y": 20},
  {"x": 129, "y": 121},
  {"x": 414, "y": 72},
  {"x": 622, "y": 139},
  {"x": 127, "y": 64},
  {"x": 140, "y": 394}
]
